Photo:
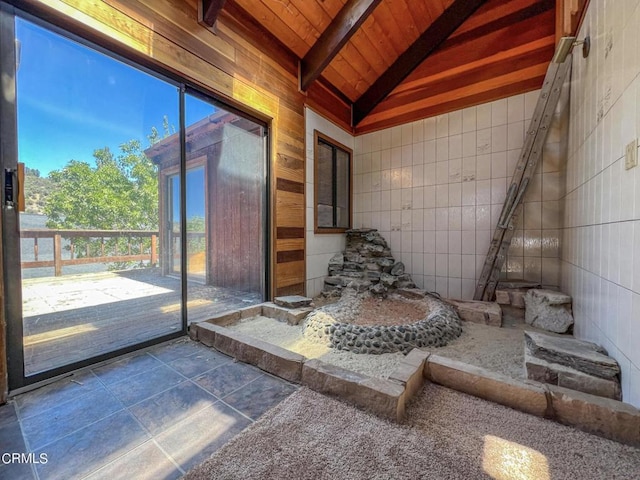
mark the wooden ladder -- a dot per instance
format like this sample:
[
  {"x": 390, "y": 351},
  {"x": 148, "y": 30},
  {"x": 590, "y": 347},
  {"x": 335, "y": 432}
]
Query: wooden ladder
[{"x": 525, "y": 168}]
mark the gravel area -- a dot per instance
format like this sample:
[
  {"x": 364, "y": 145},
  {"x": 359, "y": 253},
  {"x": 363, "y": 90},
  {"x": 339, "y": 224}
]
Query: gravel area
[
  {"x": 497, "y": 349},
  {"x": 290, "y": 337}
]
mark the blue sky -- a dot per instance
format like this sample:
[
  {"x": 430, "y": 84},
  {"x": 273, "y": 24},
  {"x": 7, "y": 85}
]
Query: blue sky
[{"x": 73, "y": 100}]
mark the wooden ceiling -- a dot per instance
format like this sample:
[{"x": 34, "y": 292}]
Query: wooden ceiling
[{"x": 395, "y": 61}]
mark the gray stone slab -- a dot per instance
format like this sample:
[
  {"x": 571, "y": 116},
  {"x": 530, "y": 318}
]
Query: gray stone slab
[
  {"x": 270, "y": 358},
  {"x": 224, "y": 319},
  {"x": 382, "y": 397},
  {"x": 484, "y": 313},
  {"x": 556, "y": 374},
  {"x": 502, "y": 297},
  {"x": 292, "y": 301},
  {"x": 293, "y": 316},
  {"x": 205, "y": 332},
  {"x": 252, "y": 311},
  {"x": 334, "y": 280},
  {"x": 529, "y": 397},
  {"x": 410, "y": 374},
  {"x": 582, "y": 356},
  {"x": 548, "y": 310},
  {"x": 611, "y": 419}
]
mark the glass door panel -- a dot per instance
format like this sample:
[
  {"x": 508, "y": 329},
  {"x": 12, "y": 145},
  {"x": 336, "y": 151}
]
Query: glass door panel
[
  {"x": 125, "y": 217},
  {"x": 225, "y": 209},
  {"x": 196, "y": 224},
  {"x": 173, "y": 227},
  {"x": 92, "y": 256}
]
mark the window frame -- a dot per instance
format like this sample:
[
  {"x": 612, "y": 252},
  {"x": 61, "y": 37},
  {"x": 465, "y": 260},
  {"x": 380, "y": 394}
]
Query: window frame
[{"x": 317, "y": 137}]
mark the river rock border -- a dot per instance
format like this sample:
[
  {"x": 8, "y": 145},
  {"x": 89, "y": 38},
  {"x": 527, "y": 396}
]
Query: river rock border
[{"x": 330, "y": 325}]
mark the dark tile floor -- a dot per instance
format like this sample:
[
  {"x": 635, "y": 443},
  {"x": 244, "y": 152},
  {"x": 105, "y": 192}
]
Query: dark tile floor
[{"x": 150, "y": 416}]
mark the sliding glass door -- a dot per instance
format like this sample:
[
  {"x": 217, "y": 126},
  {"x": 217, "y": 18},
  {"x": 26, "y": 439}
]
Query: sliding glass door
[
  {"x": 225, "y": 208},
  {"x": 89, "y": 270},
  {"x": 130, "y": 207}
]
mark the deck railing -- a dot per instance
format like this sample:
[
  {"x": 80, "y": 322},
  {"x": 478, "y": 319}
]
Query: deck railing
[{"x": 133, "y": 250}]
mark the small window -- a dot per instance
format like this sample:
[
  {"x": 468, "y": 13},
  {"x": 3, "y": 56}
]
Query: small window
[{"x": 332, "y": 185}]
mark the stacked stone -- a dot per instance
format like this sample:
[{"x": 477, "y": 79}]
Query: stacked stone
[
  {"x": 365, "y": 265},
  {"x": 330, "y": 326},
  {"x": 571, "y": 363}
]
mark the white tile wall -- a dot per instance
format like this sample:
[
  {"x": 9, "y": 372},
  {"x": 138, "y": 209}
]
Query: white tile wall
[
  {"x": 320, "y": 248},
  {"x": 443, "y": 183},
  {"x": 601, "y": 254}
]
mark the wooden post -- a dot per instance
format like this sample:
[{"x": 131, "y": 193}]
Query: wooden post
[
  {"x": 154, "y": 241},
  {"x": 57, "y": 254}
]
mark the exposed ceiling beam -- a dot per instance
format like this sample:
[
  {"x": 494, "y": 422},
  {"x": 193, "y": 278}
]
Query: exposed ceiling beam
[
  {"x": 516, "y": 59},
  {"x": 430, "y": 40},
  {"x": 335, "y": 36},
  {"x": 455, "y": 102},
  {"x": 209, "y": 11}
]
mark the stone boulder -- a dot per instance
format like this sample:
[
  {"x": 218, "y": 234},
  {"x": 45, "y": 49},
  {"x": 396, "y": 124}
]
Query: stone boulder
[
  {"x": 398, "y": 269},
  {"x": 292, "y": 301},
  {"x": 336, "y": 263},
  {"x": 388, "y": 280},
  {"x": 548, "y": 310},
  {"x": 484, "y": 313},
  {"x": 571, "y": 363}
]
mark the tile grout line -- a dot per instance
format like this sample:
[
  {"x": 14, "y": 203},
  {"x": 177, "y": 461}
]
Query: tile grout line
[
  {"x": 217, "y": 400},
  {"x": 28, "y": 449},
  {"x": 189, "y": 356},
  {"x": 18, "y": 409},
  {"x": 126, "y": 409},
  {"x": 123, "y": 408},
  {"x": 236, "y": 390},
  {"x": 220, "y": 399},
  {"x": 152, "y": 437}
]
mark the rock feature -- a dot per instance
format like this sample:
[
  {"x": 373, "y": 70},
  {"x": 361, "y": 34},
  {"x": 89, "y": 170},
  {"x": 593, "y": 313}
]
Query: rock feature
[
  {"x": 292, "y": 316},
  {"x": 365, "y": 265},
  {"x": 330, "y": 325},
  {"x": 548, "y": 310},
  {"x": 292, "y": 301},
  {"x": 484, "y": 313},
  {"x": 510, "y": 296},
  {"x": 571, "y": 363}
]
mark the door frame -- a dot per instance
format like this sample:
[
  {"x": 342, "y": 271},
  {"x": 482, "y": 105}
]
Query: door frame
[
  {"x": 166, "y": 197},
  {"x": 9, "y": 217}
]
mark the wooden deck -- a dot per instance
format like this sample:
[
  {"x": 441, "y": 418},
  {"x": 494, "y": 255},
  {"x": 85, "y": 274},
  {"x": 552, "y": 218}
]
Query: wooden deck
[{"x": 71, "y": 318}]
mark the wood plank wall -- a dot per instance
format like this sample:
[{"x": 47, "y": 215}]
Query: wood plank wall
[
  {"x": 235, "y": 203},
  {"x": 252, "y": 73}
]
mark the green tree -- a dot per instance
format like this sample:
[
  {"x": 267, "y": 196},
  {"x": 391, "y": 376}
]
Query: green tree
[{"x": 118, "y": 192}]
